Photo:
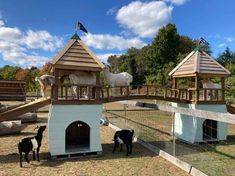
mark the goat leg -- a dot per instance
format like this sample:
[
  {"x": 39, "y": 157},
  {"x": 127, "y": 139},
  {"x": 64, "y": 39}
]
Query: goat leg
[
  {"x": 121, "y": 148},
  {"x": 20, "y": 159},
  {"x": 26, "y": 157},
  {"x": 127, "y": 149},
  {"x": 115, "y": 146},
  {"x": 130, "y": 148},
  {"x": 38, "y": 154},
  {"x": 34, "y": 158}
]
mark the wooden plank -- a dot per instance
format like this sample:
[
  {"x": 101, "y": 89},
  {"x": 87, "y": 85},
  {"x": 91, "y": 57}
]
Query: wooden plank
[
  {"x": 78, "y": 54},
  {"x": 82, "y": 59},
  {"x": 11, "y": 114},
  {"x": 221, "y": 117},
  {"x": 211, "y": 68},
  {"x": 80, "y": 64}
]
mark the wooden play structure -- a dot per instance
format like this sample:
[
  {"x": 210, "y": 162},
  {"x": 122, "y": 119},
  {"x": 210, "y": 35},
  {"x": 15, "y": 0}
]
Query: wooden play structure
[
  {"x": 75, "y": 129},
  {"x": 197, "y": 66},
  {"x": 73, "y": 123},
  {"x": 12, "y": 90}
]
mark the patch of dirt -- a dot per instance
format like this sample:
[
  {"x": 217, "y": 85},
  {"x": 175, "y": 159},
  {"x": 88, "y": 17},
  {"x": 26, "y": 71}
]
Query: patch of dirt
[{"x": 141, "y": 162}]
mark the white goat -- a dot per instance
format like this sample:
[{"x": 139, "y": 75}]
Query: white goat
[
  {"x": 82, "y": 77},
  {"x": 206, "y": 83},
  {"x": 45, "y": 81},
  {"x": 118, "y": 79}
]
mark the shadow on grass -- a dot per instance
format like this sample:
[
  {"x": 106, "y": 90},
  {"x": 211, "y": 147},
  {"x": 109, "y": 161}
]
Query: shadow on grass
[{"x": 138, "y": 152}]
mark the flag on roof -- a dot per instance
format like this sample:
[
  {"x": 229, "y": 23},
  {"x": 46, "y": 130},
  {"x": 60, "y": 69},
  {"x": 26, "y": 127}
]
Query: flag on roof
[{"x": 81, "y": 27}]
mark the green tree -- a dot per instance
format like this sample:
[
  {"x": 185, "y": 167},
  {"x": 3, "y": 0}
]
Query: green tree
[
  {"x": 164, "y": 49},
  {"x": 9, "y": 72},
  {"x": 226, "y": 58}
]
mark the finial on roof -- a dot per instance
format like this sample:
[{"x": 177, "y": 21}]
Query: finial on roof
[
  {"x": 201, "y": 43},
  {"x": 75, "y": 36},
  {"x": 198, "y": 48}
]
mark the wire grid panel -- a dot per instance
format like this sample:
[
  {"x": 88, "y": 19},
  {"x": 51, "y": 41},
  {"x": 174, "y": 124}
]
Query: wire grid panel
[{"x": 211, "y": 156}]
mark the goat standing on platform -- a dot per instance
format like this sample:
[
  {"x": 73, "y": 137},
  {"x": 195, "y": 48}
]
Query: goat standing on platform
[
  {"x": 123, "y": 137},
  {"x": 45, "y": 81},
  {"x": 31, "y": 144},
  {"x": 82, "y": 77},
  {"x": 206, "y": 83},
  {"x": 118, "y": 79}
]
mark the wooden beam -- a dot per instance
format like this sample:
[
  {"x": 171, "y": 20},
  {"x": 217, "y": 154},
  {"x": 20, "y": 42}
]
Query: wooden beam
[
  {"x": 221, "y": 117},
  {"x": 16, "y": 112}
]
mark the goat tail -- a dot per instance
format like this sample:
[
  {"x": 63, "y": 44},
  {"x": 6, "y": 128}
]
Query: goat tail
[{"x": 132, "y": 132}]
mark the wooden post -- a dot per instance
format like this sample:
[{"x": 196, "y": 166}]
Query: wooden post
[
  {"x": 56, "y": 84},
  {"x": 61, "y": 91},
  {"x": 97, "y": 89},
  {"x": 173, "y": 131},
  {"x": 138, "y": 90},
  {"x": 155, "y": 90},
  {"x": 205, "y": 94},
  {"x": 174, "y": 86},
  {"x": 196, "y": 88},
  {"x": 223, "y": 88},
  {"x": 147, "y": 90},
  {"x": 77, "y": 90},
  {"x": 127, "y": 92},
  {"x": 121, "y": 92},
  {"x": 66, "y": 92},
  {"x": 108, "y": 93}
]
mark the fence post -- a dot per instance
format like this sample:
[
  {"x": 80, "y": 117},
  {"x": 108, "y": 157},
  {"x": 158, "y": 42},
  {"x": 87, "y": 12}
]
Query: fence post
[{"x": 173, "y": 131}]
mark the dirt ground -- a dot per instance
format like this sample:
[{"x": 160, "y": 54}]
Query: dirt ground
[{"x": 141, "y": 162}]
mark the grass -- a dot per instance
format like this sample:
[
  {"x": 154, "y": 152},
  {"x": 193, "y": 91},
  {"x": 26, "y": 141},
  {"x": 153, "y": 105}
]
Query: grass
[
  {"x": 155, "y": 127},
  {"x": 141, "y": 162}
]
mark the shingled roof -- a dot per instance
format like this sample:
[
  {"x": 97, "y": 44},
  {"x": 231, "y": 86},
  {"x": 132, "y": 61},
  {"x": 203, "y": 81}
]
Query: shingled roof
[
  {"x": 77, "y": 56},
  {"x": 199, "y": 63}
]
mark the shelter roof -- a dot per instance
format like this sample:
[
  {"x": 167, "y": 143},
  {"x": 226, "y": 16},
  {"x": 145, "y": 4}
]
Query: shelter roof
[
  {"x": 76, "y": 56},
  {"x": 199, "y": 63}
]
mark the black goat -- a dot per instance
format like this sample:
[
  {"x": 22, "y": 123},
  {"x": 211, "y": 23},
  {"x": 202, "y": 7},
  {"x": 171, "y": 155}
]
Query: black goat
[
  {"x": 123, "y": 137},
  {"x": 31, "y": 144}
]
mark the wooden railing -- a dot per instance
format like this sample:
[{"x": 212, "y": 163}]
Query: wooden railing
[{"x": 101, "y": 94}]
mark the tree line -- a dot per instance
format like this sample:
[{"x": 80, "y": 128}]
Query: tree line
[{"x": 148, "y": 65}]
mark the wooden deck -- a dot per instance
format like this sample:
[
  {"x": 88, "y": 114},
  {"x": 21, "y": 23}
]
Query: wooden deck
[{"x": 86, "y": 94}]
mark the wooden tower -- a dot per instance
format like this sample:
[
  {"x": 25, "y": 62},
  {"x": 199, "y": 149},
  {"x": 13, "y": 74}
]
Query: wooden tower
[
  {"x": 198, "y": 66},
  {"x": 74, "y": 121}
]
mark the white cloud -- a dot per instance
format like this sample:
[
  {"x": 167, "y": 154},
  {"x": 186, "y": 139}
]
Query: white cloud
[
  {"x": 222, "y": 45},
  {"x": 230, "y": 39},
  {"x": 107, "y": 41},
  {"x": 43, "y": 40},
  {"x": 112, "y": 10},
  {"x": 16, "y": 45},
  {"x": 144, "y": 18},
  {"x": 104, "y": 57},
  {"x": 178, "y": 2}
]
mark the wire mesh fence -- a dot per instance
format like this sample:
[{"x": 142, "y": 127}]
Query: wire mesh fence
[{"x": 156, "y": 127}]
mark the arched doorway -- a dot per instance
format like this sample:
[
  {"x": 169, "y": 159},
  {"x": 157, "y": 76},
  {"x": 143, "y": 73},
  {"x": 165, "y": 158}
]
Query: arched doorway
[
  {"x": 77, "y": 136},
  {"x": 209, "y": 129}
]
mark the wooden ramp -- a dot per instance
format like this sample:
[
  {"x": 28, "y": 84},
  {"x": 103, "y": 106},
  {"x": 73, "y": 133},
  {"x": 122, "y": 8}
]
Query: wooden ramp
[{"x": 14, "y": 113}]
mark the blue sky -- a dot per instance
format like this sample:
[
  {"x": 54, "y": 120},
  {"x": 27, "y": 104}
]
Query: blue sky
[{"x": 33, "y": 31}]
